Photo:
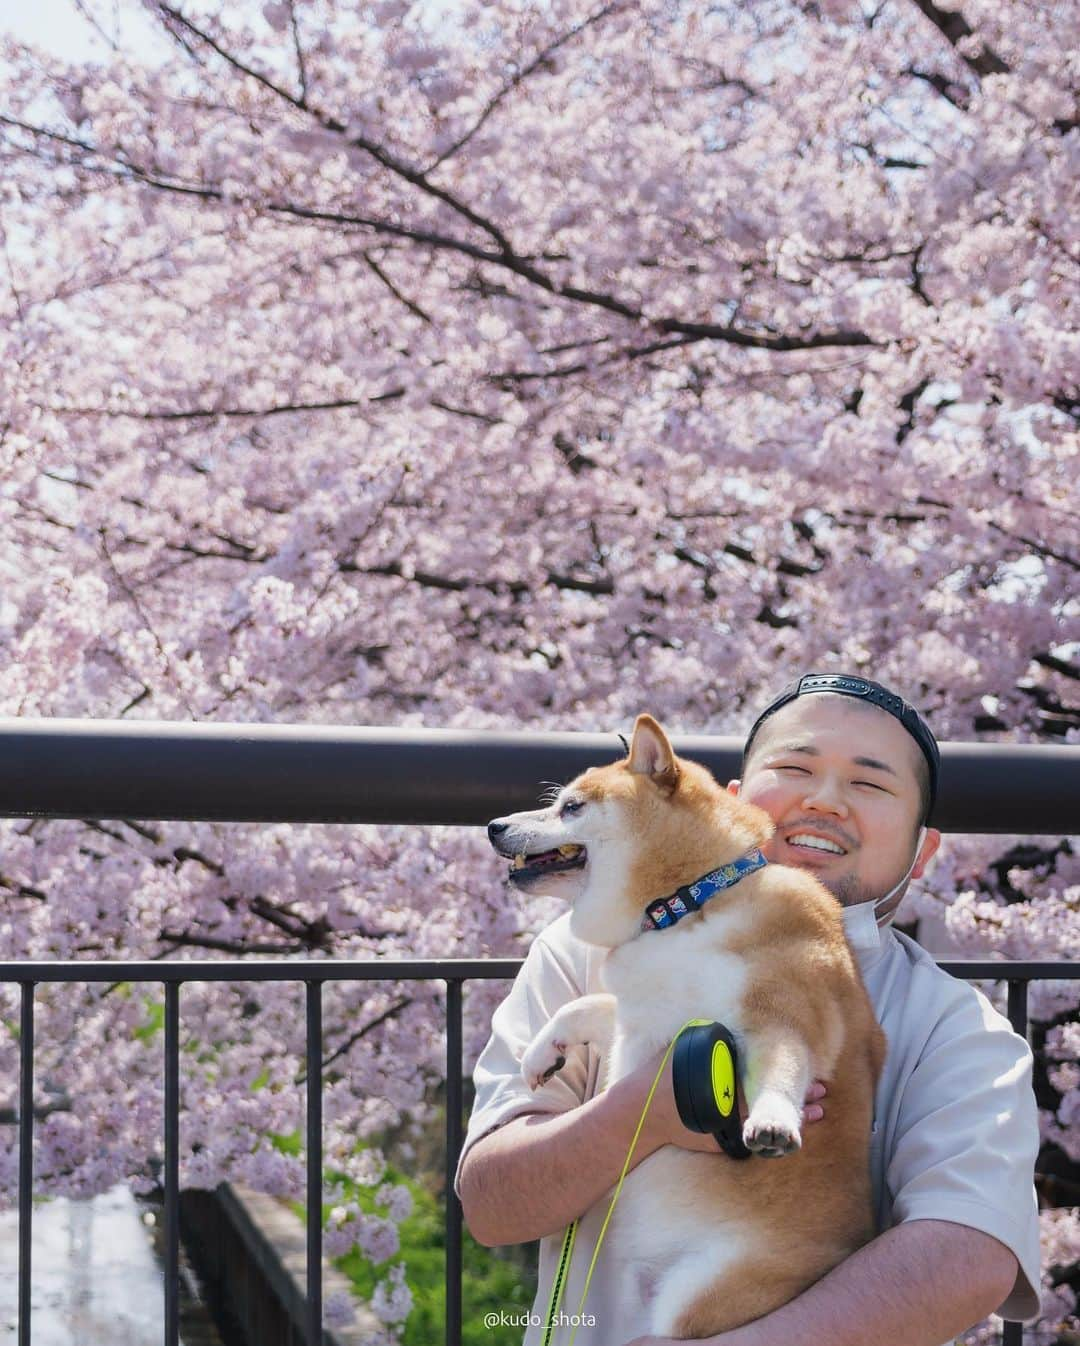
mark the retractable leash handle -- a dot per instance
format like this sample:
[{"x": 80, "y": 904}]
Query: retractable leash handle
[{"x": 704, "y": 1075}]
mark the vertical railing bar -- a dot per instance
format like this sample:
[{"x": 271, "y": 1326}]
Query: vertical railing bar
[
  {"x": 314, "y": 1162},
  {"x": 454, "y": 1103},
  {"x": 1018, "y": 1005},
  {"x": 172, "y": 1163},
  {"x": 1013, "y": 1332},
  {"x": 26, "y": 1153}
]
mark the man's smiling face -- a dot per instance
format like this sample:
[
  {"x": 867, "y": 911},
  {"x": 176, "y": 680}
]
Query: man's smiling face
[{"x": 841, "y": 780}]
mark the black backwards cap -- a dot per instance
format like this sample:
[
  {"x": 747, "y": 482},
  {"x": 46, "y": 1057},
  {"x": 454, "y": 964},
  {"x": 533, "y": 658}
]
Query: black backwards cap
[{"x": 847, "y": 684}]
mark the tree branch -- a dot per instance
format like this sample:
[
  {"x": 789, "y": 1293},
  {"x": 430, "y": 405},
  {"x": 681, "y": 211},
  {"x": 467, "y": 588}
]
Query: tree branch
[
  {"x": 954, "y": 27},
  {"x": 379, "y": 153},
  {"x": 1040, "y": 547},
  {"x": 520, "y": 77},
  {"x": 414, "y": 309},
  {"x": 206, "y": 413},
  {"x": 393, "y": 1010},
  {"x": 301, "y": 70},
  {"x": 22, "y": 889},
  {"x": 143, "y": 617},
  {"x": 953, "y": 93},
  {"x": 506, "y": 259},
  {"x": 1056, "y": 665},
  {"x": 228, "y": 945}
]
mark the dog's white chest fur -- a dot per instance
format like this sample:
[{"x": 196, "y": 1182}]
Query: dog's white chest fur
[{"x": 665, "y": 977}]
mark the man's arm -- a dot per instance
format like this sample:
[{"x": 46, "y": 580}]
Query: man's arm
[
  {"x": 539, "y": 1172},
  {"x": 918, "y": 1284}
]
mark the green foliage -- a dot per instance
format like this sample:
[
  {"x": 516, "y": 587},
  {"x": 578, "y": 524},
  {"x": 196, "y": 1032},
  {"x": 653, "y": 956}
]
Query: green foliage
[
  {"x": 155, "y": 1021},
  {"x": 489, "y": 1281}
]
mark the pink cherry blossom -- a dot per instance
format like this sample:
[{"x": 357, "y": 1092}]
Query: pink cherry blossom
[{"x": 514, "y": 364}]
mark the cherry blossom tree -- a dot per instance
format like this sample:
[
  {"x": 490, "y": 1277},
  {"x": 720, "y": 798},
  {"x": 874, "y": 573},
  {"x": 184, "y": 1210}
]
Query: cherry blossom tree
[{"x": 513, "y": 364}]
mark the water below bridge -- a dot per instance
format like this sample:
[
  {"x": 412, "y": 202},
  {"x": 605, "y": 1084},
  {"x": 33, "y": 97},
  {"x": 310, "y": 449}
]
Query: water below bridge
[{"x": 97, "y": 1273}]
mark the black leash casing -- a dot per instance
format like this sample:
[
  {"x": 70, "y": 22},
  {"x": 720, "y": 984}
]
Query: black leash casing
[{"x": 704, "y": 1071}]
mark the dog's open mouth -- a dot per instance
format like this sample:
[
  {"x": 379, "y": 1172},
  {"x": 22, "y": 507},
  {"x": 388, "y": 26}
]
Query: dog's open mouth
[{"x": 547, "y": 862}]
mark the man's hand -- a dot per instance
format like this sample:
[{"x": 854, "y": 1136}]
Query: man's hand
[{"x": 663, "y": 1125}]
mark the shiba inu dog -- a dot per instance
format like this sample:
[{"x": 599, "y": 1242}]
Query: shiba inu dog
[{"x": 721, "y": 1241}]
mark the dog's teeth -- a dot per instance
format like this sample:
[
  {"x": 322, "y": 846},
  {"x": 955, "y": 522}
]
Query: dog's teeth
[
  {"x": 519, "y": 862},
  {"x": 569, "y": 850}
]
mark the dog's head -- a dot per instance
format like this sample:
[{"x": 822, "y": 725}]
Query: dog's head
[{"x": 620, "y": 836}]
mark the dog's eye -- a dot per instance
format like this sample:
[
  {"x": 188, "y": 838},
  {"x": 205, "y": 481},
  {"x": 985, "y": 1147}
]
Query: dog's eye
[{"x": 572, "y": 806}]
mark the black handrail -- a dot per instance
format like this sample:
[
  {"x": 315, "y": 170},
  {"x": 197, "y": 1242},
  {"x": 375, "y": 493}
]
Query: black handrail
[{"x": 325, "y": 773}]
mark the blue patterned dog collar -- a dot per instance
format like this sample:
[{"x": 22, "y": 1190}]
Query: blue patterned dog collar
[{"x": 666, "y": 911}]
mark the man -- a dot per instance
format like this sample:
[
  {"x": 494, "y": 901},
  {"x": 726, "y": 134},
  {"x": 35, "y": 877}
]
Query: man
[{"x": 848, "y": 773}]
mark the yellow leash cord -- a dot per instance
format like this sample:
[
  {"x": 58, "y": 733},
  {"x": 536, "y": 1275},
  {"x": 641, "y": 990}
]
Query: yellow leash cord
[{"x": 562, "y": 1272}]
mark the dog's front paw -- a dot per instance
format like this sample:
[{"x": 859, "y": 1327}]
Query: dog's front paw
[
  {"x": 772, "y": 1128},
  {"x": 545, "y": 1056}
]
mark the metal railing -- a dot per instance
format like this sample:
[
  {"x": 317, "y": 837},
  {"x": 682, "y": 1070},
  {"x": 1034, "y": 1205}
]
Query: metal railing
[
  {"x": 306, "y": 773},
  {"x": 272, "y": 773},
  {"x": 314, "y": 973}
]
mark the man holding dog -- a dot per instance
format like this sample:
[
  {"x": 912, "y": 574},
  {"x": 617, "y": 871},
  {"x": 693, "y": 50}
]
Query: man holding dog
[{"x": 848, "y": 773}]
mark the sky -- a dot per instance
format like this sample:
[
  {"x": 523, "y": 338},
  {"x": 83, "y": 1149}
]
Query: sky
[{"x": 58, "y": 26}]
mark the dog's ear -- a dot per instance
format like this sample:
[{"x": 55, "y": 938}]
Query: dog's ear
[{"x": 651, "y": 754}]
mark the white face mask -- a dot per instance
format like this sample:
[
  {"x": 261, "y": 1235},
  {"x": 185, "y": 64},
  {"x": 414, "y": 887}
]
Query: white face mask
[{"x": 885, "y": 907}]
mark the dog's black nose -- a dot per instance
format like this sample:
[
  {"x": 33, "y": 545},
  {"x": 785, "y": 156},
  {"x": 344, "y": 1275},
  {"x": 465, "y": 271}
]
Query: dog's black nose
[{"x": 496, "y": 829}]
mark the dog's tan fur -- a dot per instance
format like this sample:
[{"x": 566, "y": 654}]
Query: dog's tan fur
[{"x": 803, "y": 1005}]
